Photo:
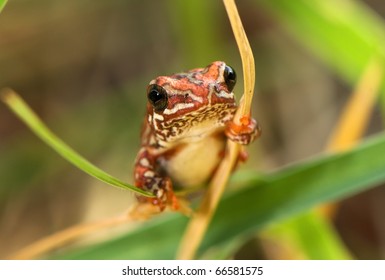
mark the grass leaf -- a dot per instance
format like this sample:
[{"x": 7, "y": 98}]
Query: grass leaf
[
  {"x": 345, "y": 41},
  {"x": 2, "y": 4},
  {"x": 309, "y": 235},
  {"x": 21, "y": 109},
  {"x": 264, "y": 200}
]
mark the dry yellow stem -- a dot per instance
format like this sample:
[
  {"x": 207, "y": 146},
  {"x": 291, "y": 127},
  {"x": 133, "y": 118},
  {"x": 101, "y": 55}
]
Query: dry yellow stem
[
  {"x": 349, "y": 129},
  {"x": 355, "y": 116},
  {"x": 248, "y": 66},
  {"x": 61, "y": 238},
  {"x": 139, "y": 212},
  {"x": 198, "y": 225}
]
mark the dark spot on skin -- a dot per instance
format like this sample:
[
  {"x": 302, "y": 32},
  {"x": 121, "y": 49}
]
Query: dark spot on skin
[
  {"x": 179, "y": 76},
  {"x": 186, "y": 96},
  {"x": 217, "y": 89}
]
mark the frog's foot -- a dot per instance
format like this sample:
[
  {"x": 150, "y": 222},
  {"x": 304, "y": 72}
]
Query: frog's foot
[
  {"x": 184, "y": 207},
  {"x": 174, "y": 203},
  {"x": 164, "y": 198},
  {"x": 245, "y": 132},
  {"x": 144, "y": 211}
]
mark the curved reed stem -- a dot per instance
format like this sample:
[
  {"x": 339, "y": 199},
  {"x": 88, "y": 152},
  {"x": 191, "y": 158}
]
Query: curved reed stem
[
  {"x": 201, "y": 219},
  {"x": 63, "y": 237}
]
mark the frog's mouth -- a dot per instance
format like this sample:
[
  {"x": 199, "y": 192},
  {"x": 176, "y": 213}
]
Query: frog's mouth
[
  {"x": 196, "y": 125},
  {"x": 199, "y": 132}
]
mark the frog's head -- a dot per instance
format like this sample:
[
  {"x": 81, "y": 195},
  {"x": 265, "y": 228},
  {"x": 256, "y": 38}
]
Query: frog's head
[{"x": 191, "y": 105}]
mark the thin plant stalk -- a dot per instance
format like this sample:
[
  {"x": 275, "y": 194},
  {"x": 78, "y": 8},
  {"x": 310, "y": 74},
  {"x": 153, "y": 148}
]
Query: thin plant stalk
[
  {"x": 355, "y": 117},
  {"x": 350, "y": 127},
  {"x": 200, "y": 221},
  {"x": 61, "y": 238}
]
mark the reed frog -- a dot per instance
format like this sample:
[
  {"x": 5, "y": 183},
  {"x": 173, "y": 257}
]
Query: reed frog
[{"x": 189, "y": 117}]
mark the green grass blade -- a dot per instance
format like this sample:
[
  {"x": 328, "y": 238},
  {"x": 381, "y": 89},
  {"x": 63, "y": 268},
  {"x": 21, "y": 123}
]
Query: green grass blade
[
  {"x": 344, "y": 40},
  {"x": 344, "y": 34},
  {"x": 318, "y": 238},
  {"x": 311, "y": 235},
  {"x": 22, "y": 110},
  {"x": 264, "y": 201},
  {"x": 2, "y": 4}
]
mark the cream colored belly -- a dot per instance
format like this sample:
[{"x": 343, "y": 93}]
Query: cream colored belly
[{"x": 194, "y": 163}]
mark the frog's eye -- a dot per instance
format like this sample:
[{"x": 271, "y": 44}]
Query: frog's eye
[
  {"x": 230, "y": 77},
  {"x": 157, "y": 96}
]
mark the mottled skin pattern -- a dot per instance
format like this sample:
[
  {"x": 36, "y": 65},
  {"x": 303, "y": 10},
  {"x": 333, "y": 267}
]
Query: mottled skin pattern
[{"x": 189, "y": 116}]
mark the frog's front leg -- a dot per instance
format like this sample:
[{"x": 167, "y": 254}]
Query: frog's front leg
[
  {"x": 148, "y": 178},
  {"x": 245, "y": 132}
]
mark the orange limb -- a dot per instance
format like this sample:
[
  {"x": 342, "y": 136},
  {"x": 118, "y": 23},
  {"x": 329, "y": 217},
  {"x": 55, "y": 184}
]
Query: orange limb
[{"x": 245, "y": 132}]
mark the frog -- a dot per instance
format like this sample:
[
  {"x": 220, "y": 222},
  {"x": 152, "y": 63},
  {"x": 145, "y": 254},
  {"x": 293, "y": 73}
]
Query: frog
[{"x": 188, "y": 119}]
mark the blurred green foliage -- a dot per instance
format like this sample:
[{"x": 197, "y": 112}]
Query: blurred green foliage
[
  {"x": 344, "y": 34},
  {"x": 2, "y": 4},
  {"x": 261, "y": 201}
]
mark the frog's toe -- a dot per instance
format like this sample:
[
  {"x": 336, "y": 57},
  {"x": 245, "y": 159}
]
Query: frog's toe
[
  {"x": 143, "y": 211},
  {"x": 167, "y": 198},
  {"x": 245, "y": 132},
  {"x": 161, "y": 187}
]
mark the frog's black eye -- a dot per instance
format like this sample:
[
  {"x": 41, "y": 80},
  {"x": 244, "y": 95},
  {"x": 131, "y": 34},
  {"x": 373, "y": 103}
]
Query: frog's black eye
[
  {"x": 157, "y": 96},
  {"x": 230, "y": 77}
]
